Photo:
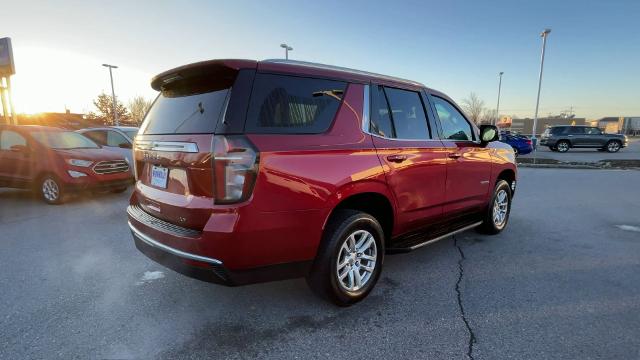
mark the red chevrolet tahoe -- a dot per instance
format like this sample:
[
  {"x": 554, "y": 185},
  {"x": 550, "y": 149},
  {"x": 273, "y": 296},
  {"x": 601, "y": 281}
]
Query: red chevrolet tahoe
[
  {"x": 253, "y": 171},
  {"x": 54, "y": 162}
]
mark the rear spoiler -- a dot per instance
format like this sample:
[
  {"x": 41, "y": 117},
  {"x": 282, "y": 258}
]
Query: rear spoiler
[{"x": 218, "y": 69}]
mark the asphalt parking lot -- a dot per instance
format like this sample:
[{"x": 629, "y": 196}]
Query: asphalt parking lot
[{"x": 562, "y": 282}]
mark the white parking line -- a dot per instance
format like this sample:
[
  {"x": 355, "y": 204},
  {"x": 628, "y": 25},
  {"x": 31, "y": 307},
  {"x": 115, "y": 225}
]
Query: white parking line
[
  {"x": 628, "y": 228},
  {"x": 150, "y": 276}
]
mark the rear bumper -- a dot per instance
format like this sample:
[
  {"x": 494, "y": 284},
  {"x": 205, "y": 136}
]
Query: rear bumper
[
  {"x": 150, "y": 235},
  {"x": 100, "y": 185}
]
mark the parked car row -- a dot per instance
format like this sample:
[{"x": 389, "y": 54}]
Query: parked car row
[{"x": 55, "y": 162}]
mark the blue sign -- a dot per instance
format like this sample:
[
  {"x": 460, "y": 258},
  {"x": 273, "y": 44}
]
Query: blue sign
[{"x": 6, "y": 58}]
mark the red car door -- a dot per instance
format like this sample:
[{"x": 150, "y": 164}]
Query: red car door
[
  {"x": 468, "y": 163},
  {"x": 14, "y": 157},
  {"x": 414, "y": 162}
]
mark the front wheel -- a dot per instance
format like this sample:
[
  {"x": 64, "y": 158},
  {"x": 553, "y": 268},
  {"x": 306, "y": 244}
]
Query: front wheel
[
  {"x": 51, "y": 190},
  {"x": 349, "y": 260},
  {"x": 497, "y": 213},
  {"x": 563, "y": 146},
  {"x": 613, "y": 146}
]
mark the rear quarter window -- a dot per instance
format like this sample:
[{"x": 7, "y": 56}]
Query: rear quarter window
[{"x": 283, "y": 104}]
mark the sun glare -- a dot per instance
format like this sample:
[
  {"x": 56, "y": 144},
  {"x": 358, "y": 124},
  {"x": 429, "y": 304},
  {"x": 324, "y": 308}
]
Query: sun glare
[{"x": 50, "y": 80}]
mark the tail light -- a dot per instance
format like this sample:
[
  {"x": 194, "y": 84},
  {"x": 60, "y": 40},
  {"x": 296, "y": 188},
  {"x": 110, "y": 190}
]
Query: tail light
[
  {"x": 529, "y": 142},
  {"x": 235, "y": 167}
]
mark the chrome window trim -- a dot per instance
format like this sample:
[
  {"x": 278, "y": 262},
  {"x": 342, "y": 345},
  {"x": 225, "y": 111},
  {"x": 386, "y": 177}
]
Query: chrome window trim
[
  {"x": 154, "y": 243},
  {"x": 366, "y": 119},
  {"x": 173, "y": 146}
]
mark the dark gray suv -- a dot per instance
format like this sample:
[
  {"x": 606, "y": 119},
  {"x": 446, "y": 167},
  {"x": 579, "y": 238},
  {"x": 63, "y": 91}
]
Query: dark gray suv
[{"x": 562, "y": 138}]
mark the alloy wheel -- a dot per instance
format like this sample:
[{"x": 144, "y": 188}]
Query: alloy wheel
[
  {"x": 50, "y": 190},
  {"x": 563, "y": 146},
  {"x": 613, "y": 146},
  {"x": 500, "y": 207},
  {"x": 356, "y": 260}
]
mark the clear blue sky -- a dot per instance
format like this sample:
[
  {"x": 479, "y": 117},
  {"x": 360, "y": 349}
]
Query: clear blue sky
[{"x": 592, "y": 63}]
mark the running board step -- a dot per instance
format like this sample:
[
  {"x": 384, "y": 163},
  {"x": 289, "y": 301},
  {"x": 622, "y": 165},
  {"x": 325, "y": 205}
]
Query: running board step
[{"x": 425, "y": 240}]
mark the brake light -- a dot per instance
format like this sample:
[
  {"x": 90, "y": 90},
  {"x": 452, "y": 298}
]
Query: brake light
[
  {"x": 235, "y": 167},
  {"x": 529, "y": 141}
]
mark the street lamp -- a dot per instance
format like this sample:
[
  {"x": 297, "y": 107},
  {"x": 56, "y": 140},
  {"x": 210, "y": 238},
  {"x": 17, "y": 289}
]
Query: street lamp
[
  {"x": 113, "y": 93},
  {"x": 498, "y": 106},
  {"x": 544, "y": 35},
  {"x": 286, "y": 48}
]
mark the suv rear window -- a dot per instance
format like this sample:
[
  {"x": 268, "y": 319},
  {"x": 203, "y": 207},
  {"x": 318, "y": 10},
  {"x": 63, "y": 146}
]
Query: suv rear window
[
  {"x": 290, "y": 104},
  {"x": 192, "y": 108}
]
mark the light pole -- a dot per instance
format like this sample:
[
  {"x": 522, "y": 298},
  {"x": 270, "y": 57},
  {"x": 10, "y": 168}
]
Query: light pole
[
  {"x": 113, "y": 93},
  {"x": 498, "y": 106},
  {"x": 544, "y": 35},
  {"x": 286, "y": 48}
]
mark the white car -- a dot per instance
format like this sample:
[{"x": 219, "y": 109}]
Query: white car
[{"x": 114, "y": 138}]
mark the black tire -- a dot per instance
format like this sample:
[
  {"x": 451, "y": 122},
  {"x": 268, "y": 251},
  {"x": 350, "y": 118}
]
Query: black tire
[
  {"x": 613, "y": 146},
  {"x": 563, "y": 146},
  {"x": 323, "y": 277},
  {"x": 119, "y": 190},
  {"x": 489, "y": 226},
  {"x": 50, "y": 190},
  {"x": 516, "y": 152},
  {"x": 552, "y": 148}
]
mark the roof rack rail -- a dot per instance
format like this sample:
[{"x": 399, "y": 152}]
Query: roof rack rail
[{"x": 343, "y": 69}]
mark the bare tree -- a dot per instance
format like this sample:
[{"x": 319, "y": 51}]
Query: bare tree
[
  {"x": 489, "y": 116},
  {"x": 104, "y": 115},
  {"x": 138, "y": 107},
  {"x": 473, "y": 106}
]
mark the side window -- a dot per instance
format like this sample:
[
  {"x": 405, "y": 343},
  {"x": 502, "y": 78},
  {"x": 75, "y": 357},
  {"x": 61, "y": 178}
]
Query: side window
[
  {"x": 576, "y": 130},
  {"x": 407, "y": 114},
  {"x": 593, "y": 131},
  {"x": 98, "y": 136},
  {"x": 290, "y": 104},
  {"x": 115, "y": 139},
  {"x": 10, "y": 138},
  {"x": 380, "y": 116},
  {"x": 454, "y": 125}
]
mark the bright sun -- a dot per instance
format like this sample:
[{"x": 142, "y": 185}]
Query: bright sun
[{"x": 48, "y": 80}]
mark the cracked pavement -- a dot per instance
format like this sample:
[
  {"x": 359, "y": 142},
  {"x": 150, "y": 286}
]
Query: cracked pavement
[{"x": 561, "y": 282}]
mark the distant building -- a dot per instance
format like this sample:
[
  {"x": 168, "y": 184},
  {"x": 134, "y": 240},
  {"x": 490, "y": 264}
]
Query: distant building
[
  {"x": 65, "y": 120},
  {"x": 629, "y": 125},
  {"x": 525, "y": 125}
]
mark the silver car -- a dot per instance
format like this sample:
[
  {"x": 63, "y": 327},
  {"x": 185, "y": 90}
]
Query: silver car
[{"x": 114, "y": 138}]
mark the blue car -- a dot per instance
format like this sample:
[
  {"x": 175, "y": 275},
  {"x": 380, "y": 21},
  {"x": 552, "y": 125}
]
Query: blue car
[{"x": 521, "y": 144}]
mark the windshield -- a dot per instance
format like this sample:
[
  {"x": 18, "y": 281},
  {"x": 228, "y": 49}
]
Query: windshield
[
  {"x": 63, "y": 140},
  {"x": 131, "y": 133}
]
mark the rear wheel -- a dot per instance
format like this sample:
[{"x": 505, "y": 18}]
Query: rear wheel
[
  {"x": 515, "y": 151},
  {"x": 497, "y": 213},
  {"x": 613, "y": 146},
  {"x": 563, "y": 146},
  {"x": 349, "y": 260},
  {"x": 51, "y": 190}
]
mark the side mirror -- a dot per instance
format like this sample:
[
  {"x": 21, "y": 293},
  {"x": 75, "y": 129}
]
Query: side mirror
[
  {"x": 488, "y": 133},
  {"x": 125, "y": 146}
]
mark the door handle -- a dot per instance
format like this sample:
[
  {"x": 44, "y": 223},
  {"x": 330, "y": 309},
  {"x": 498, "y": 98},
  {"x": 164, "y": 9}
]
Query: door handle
[
  {"x": 397, "y": 158},
  {"x": 454, "y": 155}
]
